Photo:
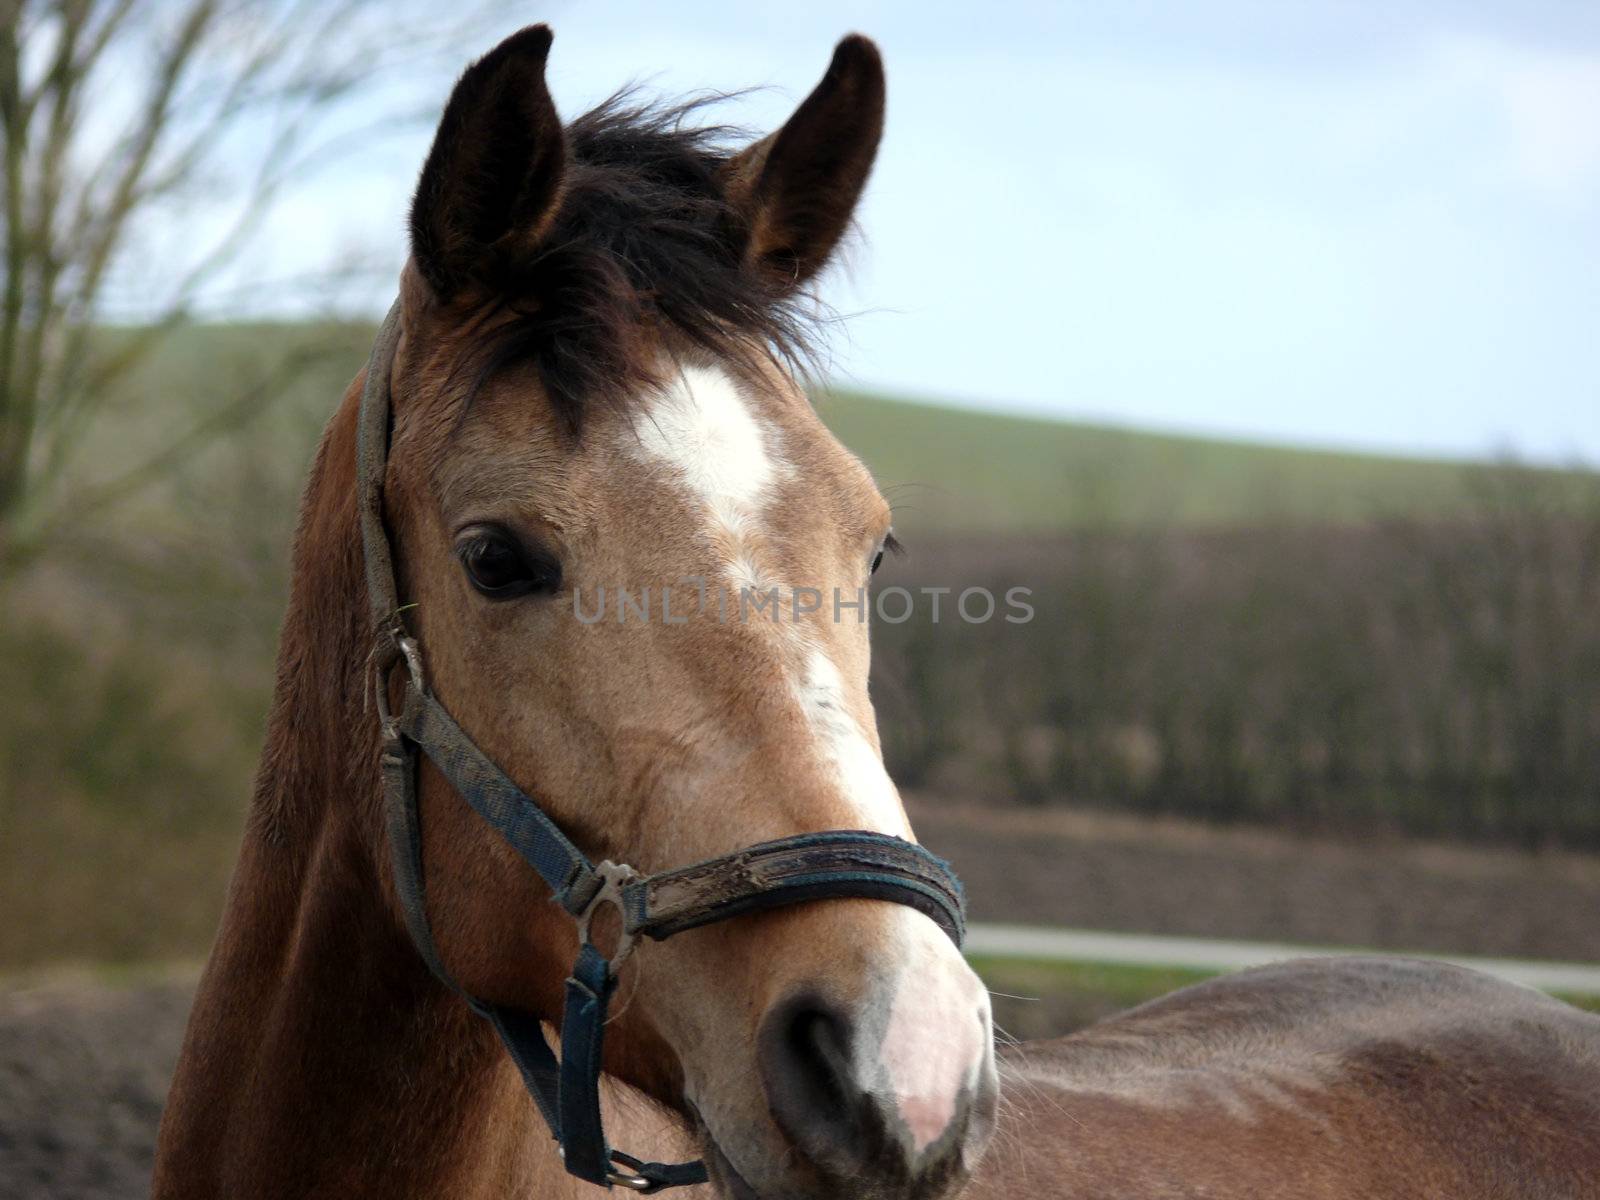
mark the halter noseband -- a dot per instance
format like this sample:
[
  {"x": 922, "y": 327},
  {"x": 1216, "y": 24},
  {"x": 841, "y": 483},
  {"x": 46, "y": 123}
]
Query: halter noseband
[{"x": 808, "y": 866}]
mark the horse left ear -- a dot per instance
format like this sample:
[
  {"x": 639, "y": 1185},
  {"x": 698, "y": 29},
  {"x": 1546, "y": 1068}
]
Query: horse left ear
[{"x": 797, "y": 188}]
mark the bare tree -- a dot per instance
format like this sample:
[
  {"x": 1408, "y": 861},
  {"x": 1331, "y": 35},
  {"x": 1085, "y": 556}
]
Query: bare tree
[{"x": 111, "y": 110}]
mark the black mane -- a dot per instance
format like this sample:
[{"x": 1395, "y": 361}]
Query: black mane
[{"x": 645, "y": 242}]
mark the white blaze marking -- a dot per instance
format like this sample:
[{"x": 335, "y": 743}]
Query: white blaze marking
[
  {"x": 934, "y": 1047},
  {"x": 935, "y": 1042},
  {"x": 701, "y": 427},
  {"x": 859, "y": 771}
]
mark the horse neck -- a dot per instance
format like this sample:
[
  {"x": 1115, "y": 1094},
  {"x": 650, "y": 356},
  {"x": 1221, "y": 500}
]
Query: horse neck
[{"x": 320, "y": 1053}]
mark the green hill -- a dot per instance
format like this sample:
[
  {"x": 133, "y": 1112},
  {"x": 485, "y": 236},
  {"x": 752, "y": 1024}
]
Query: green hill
[
  {"x": 943, "y": 468},
  {"x": 972, "y": 471}
]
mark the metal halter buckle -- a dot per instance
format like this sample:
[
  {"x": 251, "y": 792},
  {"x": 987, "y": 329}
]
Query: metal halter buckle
[
  {"x": 627, "y": 1179},
  {"x": 614, "y": 1174},
  {"x": 613, "y": 878}
]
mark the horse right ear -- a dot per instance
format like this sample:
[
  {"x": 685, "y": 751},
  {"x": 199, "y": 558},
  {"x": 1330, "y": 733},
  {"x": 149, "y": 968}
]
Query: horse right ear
[{"x": 492, "y": 184}]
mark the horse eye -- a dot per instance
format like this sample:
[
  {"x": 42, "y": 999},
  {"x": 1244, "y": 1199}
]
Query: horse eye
[
  {"x": 500, "y": 567},
  {"x": 889, "y": 545}
]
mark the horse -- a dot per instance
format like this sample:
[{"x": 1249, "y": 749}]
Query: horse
[{"x": 589, "y": 386}]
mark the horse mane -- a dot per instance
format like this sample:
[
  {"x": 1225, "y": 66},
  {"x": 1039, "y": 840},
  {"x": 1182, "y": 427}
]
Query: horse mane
[
  {"x": 320, "y": 726},
  {"x": 646, "y": 243}
]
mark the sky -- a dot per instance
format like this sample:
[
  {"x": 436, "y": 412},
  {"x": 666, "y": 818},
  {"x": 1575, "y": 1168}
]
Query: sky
[{"x": 1371, "y": 225}]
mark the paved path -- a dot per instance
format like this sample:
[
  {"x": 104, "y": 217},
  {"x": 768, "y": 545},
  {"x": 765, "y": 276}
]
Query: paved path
[{"x": 1209, "y": 954}]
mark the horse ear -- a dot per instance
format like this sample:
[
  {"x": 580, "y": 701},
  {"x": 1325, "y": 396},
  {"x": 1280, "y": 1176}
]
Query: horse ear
[
  {"x": 492, "y": 184},
  {"x": 797, "y": 188}
]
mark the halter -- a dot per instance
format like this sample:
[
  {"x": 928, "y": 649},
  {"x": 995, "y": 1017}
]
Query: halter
[{"x": 808, "y": 866}]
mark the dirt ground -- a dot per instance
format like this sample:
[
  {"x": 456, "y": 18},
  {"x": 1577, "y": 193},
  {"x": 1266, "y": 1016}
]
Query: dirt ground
[
  {"x": 84, "y": 1063},
  {"x": 83, "y": 1072}
]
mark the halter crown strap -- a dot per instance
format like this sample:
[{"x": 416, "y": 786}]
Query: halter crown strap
[
  {"x": 372, "y": 456},
  {"x": 812, "y": 866}
]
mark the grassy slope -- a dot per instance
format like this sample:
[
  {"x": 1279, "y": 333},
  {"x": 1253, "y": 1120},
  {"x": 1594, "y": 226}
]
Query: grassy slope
[
  {"x": 950, "y": 469},
  {"x": 964, "y": 470}
]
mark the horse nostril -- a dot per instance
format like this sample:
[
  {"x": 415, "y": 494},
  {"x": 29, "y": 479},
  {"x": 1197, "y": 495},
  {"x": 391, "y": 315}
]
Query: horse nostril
[
  {"x": 812, "y": 1085},
  {"x": 847, "y": 1111},
  {"x": 818, "y": 1050}
]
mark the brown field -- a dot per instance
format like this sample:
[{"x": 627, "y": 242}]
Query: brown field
[
  {"x": 1091, "y": 870},
  {"x": 85, "y": 1054}
]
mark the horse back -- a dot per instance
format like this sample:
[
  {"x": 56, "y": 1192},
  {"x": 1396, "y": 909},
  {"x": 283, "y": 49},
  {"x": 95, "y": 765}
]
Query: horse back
[{"x": 1349, "y": 1078}]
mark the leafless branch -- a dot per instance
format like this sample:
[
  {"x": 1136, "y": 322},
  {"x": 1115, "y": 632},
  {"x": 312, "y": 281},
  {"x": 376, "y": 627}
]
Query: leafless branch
[{"x": 207, "y": 77}]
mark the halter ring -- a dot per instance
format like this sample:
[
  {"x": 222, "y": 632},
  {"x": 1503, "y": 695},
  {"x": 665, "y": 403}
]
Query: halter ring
[
  {"x": 613, "y": 878},
  {"x": 394, "y": 645}
]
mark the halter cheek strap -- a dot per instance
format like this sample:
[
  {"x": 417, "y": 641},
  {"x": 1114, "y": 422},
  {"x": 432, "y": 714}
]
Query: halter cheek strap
[{"x": 810, "y": 866}]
